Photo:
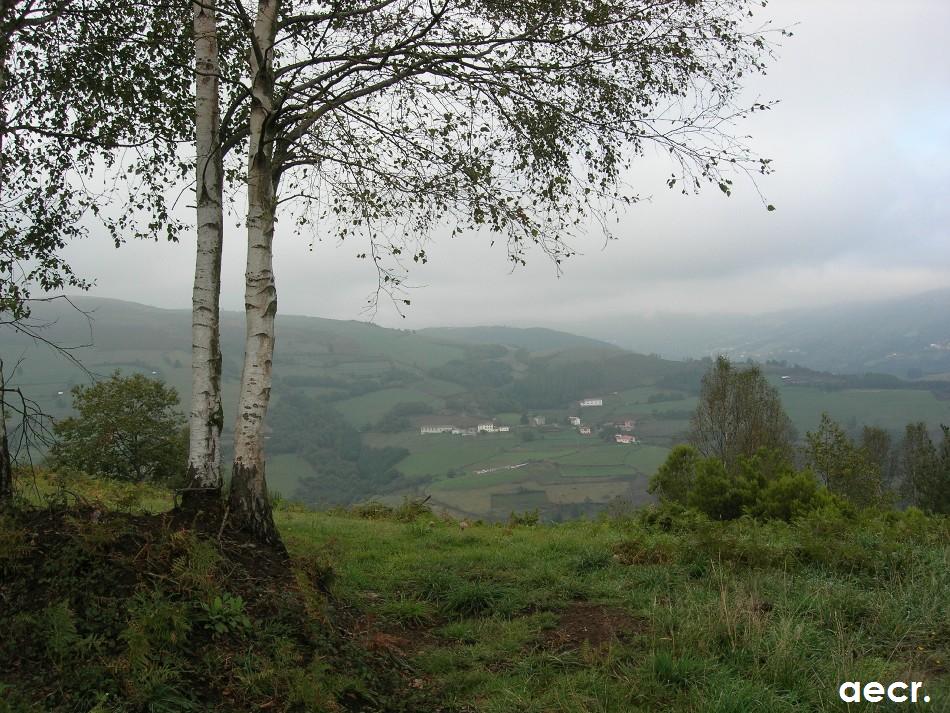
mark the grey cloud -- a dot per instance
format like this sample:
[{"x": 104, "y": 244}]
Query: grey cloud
[{"x": 861, "y": 144}]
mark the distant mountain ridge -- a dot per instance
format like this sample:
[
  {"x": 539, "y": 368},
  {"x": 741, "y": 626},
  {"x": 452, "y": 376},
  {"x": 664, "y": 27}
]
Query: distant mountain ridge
[
  {"x": 906, "y": 337},
  {"x": 534, "y": 339}
]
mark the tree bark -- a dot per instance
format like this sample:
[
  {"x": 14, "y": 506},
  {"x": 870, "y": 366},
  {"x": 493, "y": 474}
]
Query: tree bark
[
  {"x": 204, "y": 451},
  {"x": 6, "y": 467},
  {"x": 249, "y": 503}
]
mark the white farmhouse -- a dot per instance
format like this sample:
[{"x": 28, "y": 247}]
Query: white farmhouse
[
  {"x": 486, "y": 428},
  {"x": 591, "y": 402},
  {"x": 575, "y": 420},
  {"x": 435, "y": 429}
]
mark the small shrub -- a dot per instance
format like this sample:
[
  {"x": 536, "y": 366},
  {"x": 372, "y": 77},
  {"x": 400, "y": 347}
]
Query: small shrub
[
  {"x": 411, "y": 510},
  {"x": 372, "y": 510},
  {"x": 528, "y": 518},
  {"x": 225, "y": 615}
]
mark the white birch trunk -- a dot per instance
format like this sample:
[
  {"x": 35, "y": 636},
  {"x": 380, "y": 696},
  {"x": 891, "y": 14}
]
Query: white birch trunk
[
  {"x": 204, "y": 453},
  {"x": 248, "y": 502}
]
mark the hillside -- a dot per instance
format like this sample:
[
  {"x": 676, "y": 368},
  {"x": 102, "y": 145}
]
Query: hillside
[
  {"x": 404, "y": 611},
  {"x": 906, "y": 337},
  {"x": 350, "y": 399},
  {"x": 533, "y": 339}
]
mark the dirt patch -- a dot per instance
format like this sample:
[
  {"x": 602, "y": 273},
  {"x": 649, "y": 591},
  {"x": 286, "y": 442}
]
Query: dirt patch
[
  {"x": 593, "y": 625},
  {"x": 386, "y": 637}
]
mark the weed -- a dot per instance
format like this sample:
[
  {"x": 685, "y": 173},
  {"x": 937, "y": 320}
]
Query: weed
[
  {"x": 408, "y": 611},
  {"x": 225, "y": 614},
  {"x": 475, "y": 598},
  {"x": 528, "y": 518}
]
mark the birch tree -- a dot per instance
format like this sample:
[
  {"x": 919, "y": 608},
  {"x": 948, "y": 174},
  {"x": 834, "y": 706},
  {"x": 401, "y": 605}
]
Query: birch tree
[
  {"x": 385, "y": 119},
  {"x": 94, "y": 104},
  {"x": 206, "y": 416}
]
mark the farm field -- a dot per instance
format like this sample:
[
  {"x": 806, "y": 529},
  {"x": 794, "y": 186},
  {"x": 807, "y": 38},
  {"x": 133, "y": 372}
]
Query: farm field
[
  {"x": 563, "y": 470},
  {"x": 364, "y": 371},
  {"x": 891, "y": 409},
  {"x": 369, "y": 408}
]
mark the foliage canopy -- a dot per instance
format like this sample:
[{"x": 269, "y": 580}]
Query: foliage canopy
[
  {"x": 127, "y": 428},
  {"x": 738, "y": 413}
]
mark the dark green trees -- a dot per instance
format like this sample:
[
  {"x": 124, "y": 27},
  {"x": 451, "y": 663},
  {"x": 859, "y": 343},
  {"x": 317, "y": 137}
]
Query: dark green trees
[
  {"x": 128, "y": 428},
  {"x": 846, "y": 468},
  {"x": 738, "y": 413},
  {"x": 926, "y": 468}
]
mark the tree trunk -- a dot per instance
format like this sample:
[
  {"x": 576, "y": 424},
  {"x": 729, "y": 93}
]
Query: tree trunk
[
  {"x": 6, "y": 466},
  {"x": 204, "y": 451},
  {"x": 249, "y": 504}
]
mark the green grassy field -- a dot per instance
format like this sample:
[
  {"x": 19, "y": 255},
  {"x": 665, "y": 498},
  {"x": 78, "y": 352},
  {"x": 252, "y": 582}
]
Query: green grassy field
[
  {"x": 617, "y": 617},
  {"x": 891, "y": 409},
  {"x": 403, "y": 610},
  {"x": 369, "y": 408}
]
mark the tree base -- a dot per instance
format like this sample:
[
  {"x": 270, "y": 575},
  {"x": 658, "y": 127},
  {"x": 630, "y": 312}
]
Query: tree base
[
  {"x": 249, "y": 507},
  {"x": 205, "y": 504}
]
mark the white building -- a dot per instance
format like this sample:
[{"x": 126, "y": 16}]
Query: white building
[
  {"x": 574, "y": 420},
  {"x": 584, "y": 430},
  {"x": 486, "y": 428},
  {"x": 504, "y": 429},
  {"x": 591, "y": 402},
  {"x": 435, "y": 429}
]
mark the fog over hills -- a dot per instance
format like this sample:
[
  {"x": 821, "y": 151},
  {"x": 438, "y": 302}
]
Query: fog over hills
[{"x": 906, "y": 337}]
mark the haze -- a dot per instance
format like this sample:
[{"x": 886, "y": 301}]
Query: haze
[{"x": 861, "y": 147}]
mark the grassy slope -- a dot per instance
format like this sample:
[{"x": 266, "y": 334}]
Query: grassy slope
[{"x": 614, "y": 615}]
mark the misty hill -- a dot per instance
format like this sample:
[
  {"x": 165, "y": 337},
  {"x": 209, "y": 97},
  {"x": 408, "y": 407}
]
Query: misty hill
[
  {"x": 478, "y": 371},
  {"x": 350, "y": 398},
  {"x": 906, "y": 337},
  {"x": 534, "y": 339}
]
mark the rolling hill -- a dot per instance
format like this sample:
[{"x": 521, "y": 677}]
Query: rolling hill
[
  {"x": 907, "y": 337},
  {"x": 349, "y": 398}
]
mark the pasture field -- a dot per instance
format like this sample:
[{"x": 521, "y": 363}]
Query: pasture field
[
  {"x": 284, "y": 472},
  {"x": 891, "y": 409},
  {"x": 369, "y": 408}
]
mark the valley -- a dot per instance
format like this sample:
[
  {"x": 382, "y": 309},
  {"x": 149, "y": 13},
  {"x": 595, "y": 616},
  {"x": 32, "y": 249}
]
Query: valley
[{"x": 381, "y": 385}]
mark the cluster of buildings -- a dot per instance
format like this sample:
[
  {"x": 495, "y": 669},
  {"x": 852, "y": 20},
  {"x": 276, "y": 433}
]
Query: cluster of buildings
[
  {"x": 626, "y": 426},
  {"x": 463, "y": 427}
]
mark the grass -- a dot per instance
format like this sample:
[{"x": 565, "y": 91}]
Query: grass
[
  {"x": 712, "y": 617},
  {"x": 369, "y": 408},
  {"x": 403, "y": 610},
  {"x": 891, "y": 409}
]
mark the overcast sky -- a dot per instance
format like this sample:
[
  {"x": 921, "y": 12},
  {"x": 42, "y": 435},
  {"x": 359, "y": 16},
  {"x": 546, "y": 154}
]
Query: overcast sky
[{"x": 861, "y": 148}]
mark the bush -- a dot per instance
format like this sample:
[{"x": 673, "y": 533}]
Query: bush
[
  {"x": 764, "y": 485},
  {"x": 673, "y": 481},
  {"x": 791, "y": 496},
  {"x": 128, "y": 428}
]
